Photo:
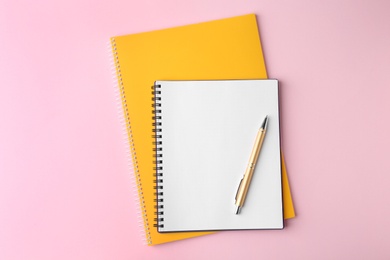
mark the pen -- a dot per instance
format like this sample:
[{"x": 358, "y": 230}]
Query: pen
[{"x": 246, "y": 180}]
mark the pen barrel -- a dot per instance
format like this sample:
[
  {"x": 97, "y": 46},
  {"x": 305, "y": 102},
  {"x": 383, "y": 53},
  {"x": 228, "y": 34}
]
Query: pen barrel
[
  {"x": 245, "y": 182},
  {"x": 256, "y": 148}
]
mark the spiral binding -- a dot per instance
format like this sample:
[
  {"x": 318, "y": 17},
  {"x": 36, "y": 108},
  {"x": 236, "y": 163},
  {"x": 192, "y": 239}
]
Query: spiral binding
[
  {"x": 157, "y": 135},
  {"x": 133, "y": 162}
]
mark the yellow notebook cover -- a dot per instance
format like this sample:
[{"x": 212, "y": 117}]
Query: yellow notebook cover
[{"x": 222, "y": 49}]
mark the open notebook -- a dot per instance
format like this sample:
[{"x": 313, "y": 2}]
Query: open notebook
[{"x": 205, "y": 131}]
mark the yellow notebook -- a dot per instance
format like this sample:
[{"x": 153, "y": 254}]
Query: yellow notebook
[{"x": 223, "y": 49}]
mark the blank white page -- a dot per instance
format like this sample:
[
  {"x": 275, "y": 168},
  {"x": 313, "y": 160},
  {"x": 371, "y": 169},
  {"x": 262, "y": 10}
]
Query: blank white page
[{"x": 208, "y": 129}]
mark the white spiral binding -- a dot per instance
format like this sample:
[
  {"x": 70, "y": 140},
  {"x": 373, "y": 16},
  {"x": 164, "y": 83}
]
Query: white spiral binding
[{"x": 124, "y": 118}]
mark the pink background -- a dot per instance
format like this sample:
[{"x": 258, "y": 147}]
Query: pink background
[{"x": 65, "y": 190}]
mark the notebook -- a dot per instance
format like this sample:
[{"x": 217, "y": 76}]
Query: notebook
[
  {"x": 205, "y": 131},
  {"x": 222, "y": 49}
]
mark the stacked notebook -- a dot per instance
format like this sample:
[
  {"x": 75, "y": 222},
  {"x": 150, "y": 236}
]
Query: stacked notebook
[{"x": 214, "y": 94}]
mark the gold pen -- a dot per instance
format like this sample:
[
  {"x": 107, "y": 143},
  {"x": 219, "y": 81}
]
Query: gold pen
[{"x": 246, "y": 180}]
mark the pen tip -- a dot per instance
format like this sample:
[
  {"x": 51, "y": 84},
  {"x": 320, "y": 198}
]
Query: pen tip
[
  {"x": 265, "y": 123},
  {"x": 238, "y": 210}
]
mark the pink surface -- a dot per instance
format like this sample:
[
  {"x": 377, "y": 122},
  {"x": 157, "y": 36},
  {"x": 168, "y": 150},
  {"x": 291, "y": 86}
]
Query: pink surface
[{"x": 65, "y": 190}]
